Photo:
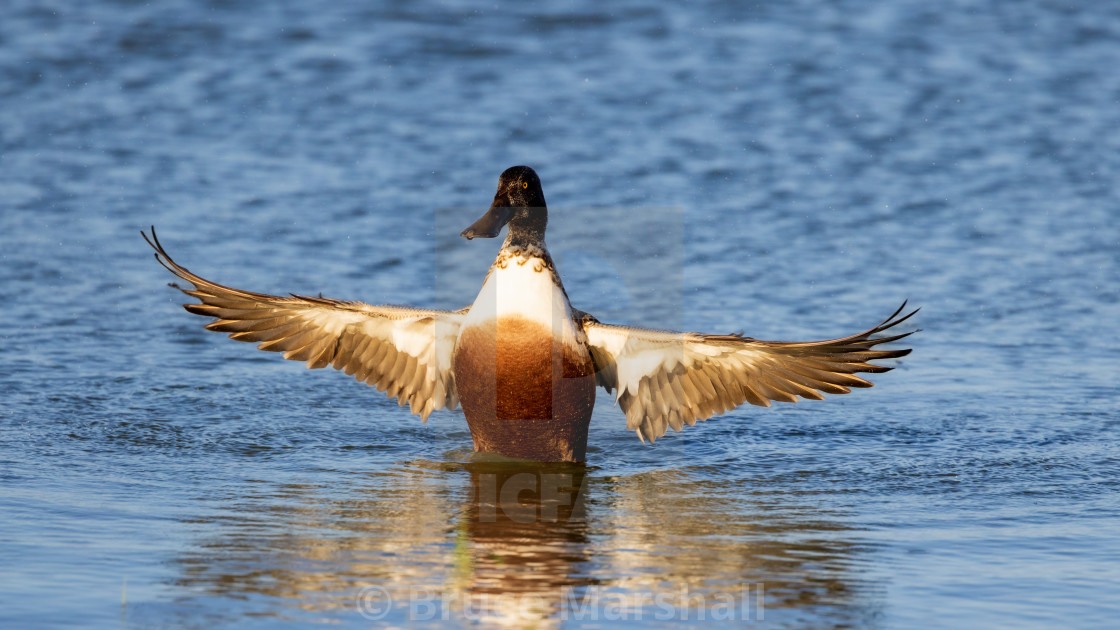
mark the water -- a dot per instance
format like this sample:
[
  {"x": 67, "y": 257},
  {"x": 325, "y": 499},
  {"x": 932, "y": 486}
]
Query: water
[{"x": 793, "y": 170}]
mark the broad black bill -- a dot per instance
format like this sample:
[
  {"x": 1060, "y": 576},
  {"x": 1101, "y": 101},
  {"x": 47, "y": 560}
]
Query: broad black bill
[{"x": 489, "y": 224}]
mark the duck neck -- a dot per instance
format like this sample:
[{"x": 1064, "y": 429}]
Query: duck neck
[
  {"x": 526, "y": 234},
  {"x": 524, "y": 247}
]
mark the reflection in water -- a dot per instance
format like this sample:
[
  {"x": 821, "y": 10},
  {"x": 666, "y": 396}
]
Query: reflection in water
[
  {"x": 512, "y": 544},
  {"x": 528, "y": 541}
]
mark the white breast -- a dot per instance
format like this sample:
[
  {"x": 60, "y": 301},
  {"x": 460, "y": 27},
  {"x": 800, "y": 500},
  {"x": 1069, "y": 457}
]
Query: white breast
[{"x": 524, "y": 287}]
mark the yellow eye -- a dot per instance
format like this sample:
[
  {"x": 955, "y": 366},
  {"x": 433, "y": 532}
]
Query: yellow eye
[{"x": 524, "y": 184}]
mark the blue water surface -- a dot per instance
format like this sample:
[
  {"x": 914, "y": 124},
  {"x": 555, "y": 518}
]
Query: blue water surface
[{"x": 793, "y": 170}]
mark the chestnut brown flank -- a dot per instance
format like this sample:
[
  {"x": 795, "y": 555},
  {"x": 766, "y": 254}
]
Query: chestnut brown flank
[{"x": 523, "y": 392}]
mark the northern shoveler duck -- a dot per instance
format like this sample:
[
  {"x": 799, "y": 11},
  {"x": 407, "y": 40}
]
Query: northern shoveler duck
[{"x": 521, "y": 361}]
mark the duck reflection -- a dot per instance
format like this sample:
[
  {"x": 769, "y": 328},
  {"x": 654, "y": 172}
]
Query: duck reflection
[
  {"x": 526, "y": 542},
  {"x": 518, "y": 544}
]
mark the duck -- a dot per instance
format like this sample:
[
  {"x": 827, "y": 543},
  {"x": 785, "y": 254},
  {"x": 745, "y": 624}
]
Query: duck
[{"x": 522, "y": 362}]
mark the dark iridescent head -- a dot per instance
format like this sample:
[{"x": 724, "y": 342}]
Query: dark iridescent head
[{"x": 519, "y": 202}]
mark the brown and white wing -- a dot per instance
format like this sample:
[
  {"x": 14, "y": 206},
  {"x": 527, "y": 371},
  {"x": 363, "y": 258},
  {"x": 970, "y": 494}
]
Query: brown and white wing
[
  {"x": 404, "y": 352},
  {"x": 668, "y": 379}
]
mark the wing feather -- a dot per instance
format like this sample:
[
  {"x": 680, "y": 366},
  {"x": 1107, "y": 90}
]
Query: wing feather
[
  {"x": 403, "y": 351},
  {"x": 664, "y": 379}
]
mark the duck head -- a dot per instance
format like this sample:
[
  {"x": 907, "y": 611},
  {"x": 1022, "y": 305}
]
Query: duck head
[{"x": 519, "y": 203}]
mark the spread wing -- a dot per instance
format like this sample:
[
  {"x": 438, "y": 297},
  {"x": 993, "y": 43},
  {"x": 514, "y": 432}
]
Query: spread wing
[
  {"x": 669, "y": 379},
  {"x": 404, "y": 352}
]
